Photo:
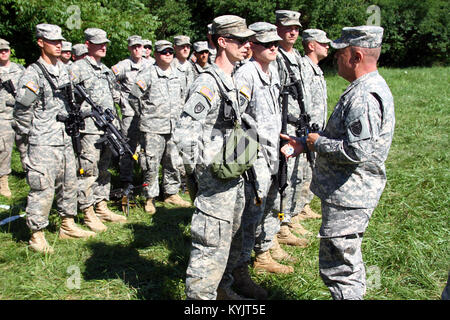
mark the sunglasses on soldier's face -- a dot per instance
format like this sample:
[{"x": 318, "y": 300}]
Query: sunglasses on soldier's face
[
  {"x": 241, "y": 41},
  {"x": 148, "y": 47},
  {"x": 166, "y": 51},
  {"x": 267, "y": 45}
]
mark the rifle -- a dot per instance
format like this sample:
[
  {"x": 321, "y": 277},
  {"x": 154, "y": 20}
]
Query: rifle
[
  {"x": 103, "y": 119},
  {"x": 250, "y": 176},
  {"x": 282, "y": 170},
  {"x": 125, "y": 194},
  {"x": 8, "y": 85}
]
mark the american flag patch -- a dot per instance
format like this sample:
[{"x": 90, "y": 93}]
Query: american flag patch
[
  {"x": 207, "y": 93},
  {"x": 141, "y": 84},
  {"x": 115, "y": 70},
  {"x": 246, "y": 92},
  {"x": 32, "y": 86}
]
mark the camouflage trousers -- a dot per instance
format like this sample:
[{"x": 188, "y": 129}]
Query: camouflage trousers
[
  {"x": 341, "y": 263},
  {"x": 216, "y": 242},
  {"x": 130, "y": 129},
  {"x": 6, "y": 146},
  {"x": 297, "y": 193},
  {"x": 159, "y": 149},
  {"x": 94, "y": 186},
  {"x": 259, "y": 223},
  {"x": 51, "y": 174}
]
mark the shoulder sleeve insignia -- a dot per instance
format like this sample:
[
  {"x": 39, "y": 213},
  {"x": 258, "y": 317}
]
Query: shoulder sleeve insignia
[
  {"x": 141, "y": 84},
  {"x": 32, "y": 86},
  {"x": 115, "y": 70},
  {"x": 246, "y": 92},
  {"x": 207, "y": 93}
]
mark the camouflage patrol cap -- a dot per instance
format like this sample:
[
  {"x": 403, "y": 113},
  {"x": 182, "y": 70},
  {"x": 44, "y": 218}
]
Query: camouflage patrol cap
[
  {"x": 181, "y": 40},
  {"x": 264, "y": 32},
  {"x": 135, "y": 40},
  {"x": 79, "y": 49},
  {"x": 48, "y": 32},
  {"x": 160, "y": 45},
  {"x": 95, "y": 36},
  {"x": 66, "y": 46},
  {"x": 287, "y": 18},
  {"x": 315, "y": 35},
  {"x": 4, "y": 44},
  {"x": 231, "y": 25},
  {"x": 361, "y": 36},
  {"x": 147, "y": 42},
  {"x": 200, "y": 46}
]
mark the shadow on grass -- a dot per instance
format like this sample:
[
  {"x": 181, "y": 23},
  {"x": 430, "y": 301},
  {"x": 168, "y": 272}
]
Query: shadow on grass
[{"x": 154, "y": 275}]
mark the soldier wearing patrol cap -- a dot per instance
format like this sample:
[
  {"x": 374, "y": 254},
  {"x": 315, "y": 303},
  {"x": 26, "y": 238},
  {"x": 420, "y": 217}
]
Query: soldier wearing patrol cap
[
  {"x": 182, "y": 46},
  {"x": 100, "y": 84},
  {"x": 201, "y": 54},
  {"x": 200, "y": 134},
  {"x": 157, "y": 93},
  {"x": 10, "y": 73},
  {"x": 79, "y": 51},
  {"x": 126, "y": 72},
  {"x": 66, "y": 52},
  {"x": 50, "y": 162},
  {"x": 349, "y": 174},
  {"x": 289, "y": 69},
  {"x": 211, "y": 45},
  {"x": 146, "y": 53}
]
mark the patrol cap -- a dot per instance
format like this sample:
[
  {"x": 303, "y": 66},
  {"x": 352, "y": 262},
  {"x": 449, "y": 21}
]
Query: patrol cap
[
  {"x": 95, "y": 36},
  {"x": 48, "y": 32},
  {"x": 231, "y": 25},
  {"x": 147, "y": 42},
  {"x": 264, "y": 32},
  {"x": 287, "y": 18},
  {"x": 79, "y": 49},
  {"x": 181, "y": 40},
  {"x": 200, "y": 46},
  {"x": 361, "y": 36},
  {"x": 135, "y": 40},
  {"x": 160, "y": 45},
  {"x": 315, "y": 35},
  {"x": 66, "y": 46},
  {"x": 4, "y": 44}
]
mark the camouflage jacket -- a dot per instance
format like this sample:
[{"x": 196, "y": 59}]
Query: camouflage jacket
[
  {"x": 12, "y": 72},
  {"x": 186, "y": 74},
  {"x": 349, "y": 170}
]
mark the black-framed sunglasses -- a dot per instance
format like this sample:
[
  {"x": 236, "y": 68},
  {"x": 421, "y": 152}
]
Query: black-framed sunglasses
[
  {"x": 268, "y": 45},
  {"x": 241, "y": 41},
  {"x": 148, "y": 47},
  {"x": 167, "y": 51}
]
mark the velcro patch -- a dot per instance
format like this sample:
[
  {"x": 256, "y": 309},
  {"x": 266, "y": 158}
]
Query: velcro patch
[
  {"x": 356, "y": 128},
  {"x": 246, "y": 92},
  {"x": 32, "y": 86},
  {"x": 207, "y": 93},
  {"x": 115, "y": 70},
  {"x": 199, "y": 108},
  {"x": 141, "y": 84}
]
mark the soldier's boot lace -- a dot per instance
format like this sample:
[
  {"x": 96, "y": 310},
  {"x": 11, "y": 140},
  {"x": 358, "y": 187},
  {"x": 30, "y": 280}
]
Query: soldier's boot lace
[
  {"x": 4, "y": 187},
  {"x": 245, "y": 285},
  {"x": 38, "y": 243},
  {"x": 265, "y": 263},
  {"x": 104, "y": 214},
  {"x": 92, "y": 221},
  {"x": 175, "y": 199},
  {"x": 286, "y": 237},
  {"x": 277, "y": 252},
  {"x": 69, "y": 230}
]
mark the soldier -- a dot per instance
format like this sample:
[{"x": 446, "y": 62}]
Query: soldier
[
  {"x": 66, "y": 53},
  {"x": 10, "y": 73},
  {"x": 259, "y": 91},
  {"x": 215, "y": 227},
  {"x": 289, "y": 65},
  {"x": 182, "y": 46},
  {"x": 349, "y": 173},
  {"x": 147, "y": 52},
  {"x": 126, "y": 72},
  {"x": 158, "y": 115},
  {"x": 201, "y": 53},
  {"x": 79, "y": 51},
  {"x": 211, "y": 45},
  {"x": 99, "y": 82},
  {"x": 50, "y": 162}
]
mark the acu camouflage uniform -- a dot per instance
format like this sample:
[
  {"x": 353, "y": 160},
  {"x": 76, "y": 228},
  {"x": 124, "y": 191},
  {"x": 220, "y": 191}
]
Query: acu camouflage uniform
[{"x": 349, "y": 174}]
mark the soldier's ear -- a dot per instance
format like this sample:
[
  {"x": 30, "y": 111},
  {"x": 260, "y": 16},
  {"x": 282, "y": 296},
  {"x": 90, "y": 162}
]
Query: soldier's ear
[{"x": 40, "y": 43}]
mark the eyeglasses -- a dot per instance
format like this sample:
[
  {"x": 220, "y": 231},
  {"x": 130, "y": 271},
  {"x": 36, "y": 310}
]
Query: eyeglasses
[
  {"x": 267, "y": 45},
  {"x": 241, "y": 41},
  {"x": 166, "y": 51},
  {"x": 148, "y": 47}
]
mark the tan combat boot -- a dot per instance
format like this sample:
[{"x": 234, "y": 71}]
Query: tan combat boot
[
  {"x": 279, "y": 254},
  {"x": 265, "y": 263},
  {"x": 104, "y": 214},
  {"x": 69, "y": 230},
  {"x": 175, "y": 199},
  {"x": 92, "y": 221},
  {"x": 228, "y": 294},
  {"x": 245, "y": 285},
  {"x": 286, "y": 237},
  {"x": 298, "y": 228},
  {"x": 38, "y": 243},
  {"x": 149, "y": 206},
  {"x": 308, "y": 213},
  {"x": 4, "y": 187}
]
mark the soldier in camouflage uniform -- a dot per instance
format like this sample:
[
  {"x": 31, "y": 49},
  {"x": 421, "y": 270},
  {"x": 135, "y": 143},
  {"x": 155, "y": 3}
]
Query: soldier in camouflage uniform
[
  {"x": 201, "y": 54},
  {"x": 126, "y": 72},
  {"x": 349, "y": 174},
  {"x": 10, "y": 73},
  {"x": 79, "y": 51},
  {"x": 215, "y": 226},
  {"x": 158, "y": 91},
  {"x": 182, "y": 46},
  {"x": 50, "y": 162},
  {"x": 66, "y": 53},
  {"x": 211, "y": 45},
  {"x": 100, "y": 84},
  {"x": 147, "y": 52}
]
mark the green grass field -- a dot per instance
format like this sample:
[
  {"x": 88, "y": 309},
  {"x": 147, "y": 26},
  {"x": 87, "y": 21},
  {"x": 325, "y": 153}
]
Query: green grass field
[{"x": 406, "y": 246}]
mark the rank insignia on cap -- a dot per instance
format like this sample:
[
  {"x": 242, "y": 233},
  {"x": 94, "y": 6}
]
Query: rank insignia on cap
[
  {"x": 246, "y": 92},
  {"x": 115, "y": 70},
  {"x": 141, "y": 84},
  {"x": 32, "y": 86},
  {"x": 207, "y": 93}
]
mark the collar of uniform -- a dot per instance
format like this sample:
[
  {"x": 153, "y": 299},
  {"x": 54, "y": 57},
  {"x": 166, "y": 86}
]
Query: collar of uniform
[
  {"x": 265, "y": 78},
  {"x": 94, "y": 63},
  {"x": 54, "y": 70},
  {"x": 226, "y": 79},
  {"x": 315, "y": 67},
  {"x": 290, "y": 56},
  {"x": 165, "y": 74},
  {"x": 360, "y": 80},
  {"x": 135, "y": 65}
]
